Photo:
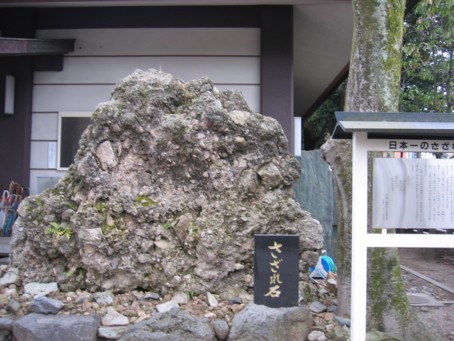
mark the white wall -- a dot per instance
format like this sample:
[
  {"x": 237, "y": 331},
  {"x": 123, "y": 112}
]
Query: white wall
[{"x": 230, "y": 57}]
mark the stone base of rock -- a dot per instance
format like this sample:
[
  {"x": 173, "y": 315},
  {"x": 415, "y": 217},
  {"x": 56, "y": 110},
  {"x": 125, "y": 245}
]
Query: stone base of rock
[
  {"x": 37, "y": 327},
  {"x": 258, "y": 322},
  {"x": 172, "y": 325},
  {"x": 140, "y": 315}
]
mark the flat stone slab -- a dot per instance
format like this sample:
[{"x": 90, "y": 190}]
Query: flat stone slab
[
  {"x": 421, "y": 299},
  {"x": 317, "y": 307},
  {"x": 38, "y": 327},
  {"x": 40, "y": 289},
  {"x": 46, "y": 305},
  {"x": 259, "y": 322},
  {"x": 172, "y": 325}
]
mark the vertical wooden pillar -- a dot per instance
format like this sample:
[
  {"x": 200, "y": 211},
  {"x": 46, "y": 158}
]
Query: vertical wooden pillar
[
  {"x": 15, "y": 130},
  {"x": 277, "y": 66}
]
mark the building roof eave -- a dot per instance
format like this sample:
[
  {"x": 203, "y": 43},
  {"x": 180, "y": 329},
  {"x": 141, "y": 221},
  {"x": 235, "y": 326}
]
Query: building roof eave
[{"x": 34, "y": 47}]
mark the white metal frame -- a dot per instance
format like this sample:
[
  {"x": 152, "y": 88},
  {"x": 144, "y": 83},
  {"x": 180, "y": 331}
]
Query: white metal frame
[{"x": 361, "y": 239}]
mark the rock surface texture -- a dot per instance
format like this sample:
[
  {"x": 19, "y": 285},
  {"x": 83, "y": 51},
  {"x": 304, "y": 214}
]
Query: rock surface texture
[
  {"x": 258, "y": 322},
  {"x": 172, "y": 325},
  {"x": 37, "y": 327},
  {"x": 171, "y": 182}
]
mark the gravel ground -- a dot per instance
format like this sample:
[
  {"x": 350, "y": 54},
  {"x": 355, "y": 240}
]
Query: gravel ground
[
  {"x": 437, "y": 264},
  {"x": 139, "y": 305}
]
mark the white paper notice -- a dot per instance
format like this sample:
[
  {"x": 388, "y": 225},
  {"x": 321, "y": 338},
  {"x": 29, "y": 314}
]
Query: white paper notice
[{"x": 413, "y": 193}]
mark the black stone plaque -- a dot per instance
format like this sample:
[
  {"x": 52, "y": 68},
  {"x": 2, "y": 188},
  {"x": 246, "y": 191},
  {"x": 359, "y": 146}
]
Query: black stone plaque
[{"x": 276, "y": 270}]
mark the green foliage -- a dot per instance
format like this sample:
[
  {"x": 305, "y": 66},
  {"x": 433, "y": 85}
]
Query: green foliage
[
  {"x": 321, "y": 124},
  {"x": 71, "y": 272},
  {"x": 167, "y": 226},
  {"x": 145, "y": 201},
  {"x": 106, "y": 228},
  {"x": 57, "y": 231},
  {"x": 427, "y": 81},
  {"x": 77, "y": 274},
  {"x": 427, "y": 78}
]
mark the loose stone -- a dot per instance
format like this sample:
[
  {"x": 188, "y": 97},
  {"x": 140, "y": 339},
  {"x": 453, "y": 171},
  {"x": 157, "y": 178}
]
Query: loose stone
[
  {"x": 167, "y": 306},
  {"x": 10, "y": 277},
  {"x": 316, "y": 335},
  {"x": 41, "y": 289},
  {"x": 45, "y": 305},
  {"x": 212, "y": 301},
  {"x": 114, "y": 318},
  {"x": 111, "y": 333}
]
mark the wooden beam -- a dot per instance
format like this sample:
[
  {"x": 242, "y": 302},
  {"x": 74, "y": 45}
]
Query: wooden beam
[
  {"x": 342, "y": 76},
  {"x": 428, "y": 279},
  {"x": 276, "y": 74},
  {"x": 146, "y": 16},
  {"x": 34, "y": 47}
]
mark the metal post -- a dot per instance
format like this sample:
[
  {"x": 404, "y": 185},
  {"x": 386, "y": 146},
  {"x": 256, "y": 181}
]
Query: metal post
[{"x": 359, "y": 234}]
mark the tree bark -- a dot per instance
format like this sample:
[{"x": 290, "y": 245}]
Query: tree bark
[{"x": 373, "y": 86}]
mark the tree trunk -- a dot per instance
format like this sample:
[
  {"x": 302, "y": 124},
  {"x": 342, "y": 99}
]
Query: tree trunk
[{"x": 373, "y": 86}]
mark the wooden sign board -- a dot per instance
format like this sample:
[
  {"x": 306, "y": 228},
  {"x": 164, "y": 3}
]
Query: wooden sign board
[{"x": 276, "y": 270}]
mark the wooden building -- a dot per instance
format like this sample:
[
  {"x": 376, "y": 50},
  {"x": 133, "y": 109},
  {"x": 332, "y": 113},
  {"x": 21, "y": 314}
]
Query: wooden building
[{"x": 61, "y": 58}]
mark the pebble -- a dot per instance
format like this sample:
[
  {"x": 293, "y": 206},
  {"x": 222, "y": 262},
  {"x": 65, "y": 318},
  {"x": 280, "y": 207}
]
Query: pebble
[
  {"x": 343, "y": 321},
  {"x": 210, "y": 315},
  {"x": 45, "y": 305},
  {"x": 142, "y": 318},
  {"x": 137, "y": 306},
  {"x": 317, "y": 307},
  {"x": 212, "y": 301},
  {"x": 235, "y": 300},
  {"x": 152, "y": 296},
  {"x": 114, "y": 318},
  {"x": 111, "y": 333},
  {"x": 82, "y": 297},
  {"x": 238, "y": 266},
  {"x": 316, "y": 335},
  {"x": 167, "y": 306},
  {"x": 40, "y": 289},
  {"x": 105, "y": 298},
  {"x": 13, "y": 306},
  {"x": 4, "y": 299},
  {"x": 329, "y": 316},
  {"x": 332, "y": 309},
  {"x": 221, "y": 328},
  {"x": 181, "y": 298},
  {"x": 323, "y": 291},
  {"x": 10, "y": 277}
]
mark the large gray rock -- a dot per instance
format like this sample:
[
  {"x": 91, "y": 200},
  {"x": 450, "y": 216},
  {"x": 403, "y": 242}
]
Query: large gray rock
[
  {"x": 171, "y": 182},
  {"x": 6, "y": 329},
  {"x": 171, "y": 326},
  {"x": 37, "y": 327},
  {"x": 261, "y": 323}
]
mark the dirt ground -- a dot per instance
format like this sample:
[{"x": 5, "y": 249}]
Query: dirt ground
[{"x": 437, "y": 264}]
